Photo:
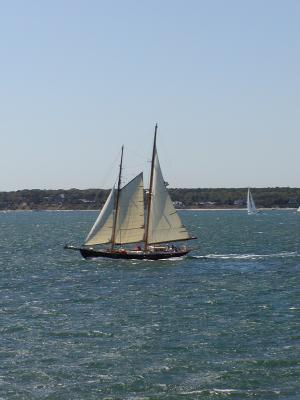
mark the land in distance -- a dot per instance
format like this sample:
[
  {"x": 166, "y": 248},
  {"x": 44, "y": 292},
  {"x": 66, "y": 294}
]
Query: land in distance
[{"x": 200, "y": 198}]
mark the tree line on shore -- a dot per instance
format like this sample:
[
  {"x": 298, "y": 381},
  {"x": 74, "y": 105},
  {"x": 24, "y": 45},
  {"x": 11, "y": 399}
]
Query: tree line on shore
[{"x": 93, "y": 199}]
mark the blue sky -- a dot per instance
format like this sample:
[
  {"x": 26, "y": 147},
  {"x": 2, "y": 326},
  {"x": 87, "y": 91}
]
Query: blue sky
[{"x": 81, "y": 78}]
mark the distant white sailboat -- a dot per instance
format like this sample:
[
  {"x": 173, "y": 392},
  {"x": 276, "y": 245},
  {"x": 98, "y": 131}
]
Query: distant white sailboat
[
  {"x": 298, "y": 209},
  {"x": 250, "y": 204}
]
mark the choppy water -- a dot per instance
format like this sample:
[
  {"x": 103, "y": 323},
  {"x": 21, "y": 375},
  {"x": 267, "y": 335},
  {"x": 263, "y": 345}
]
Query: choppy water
[{"x": 222, "y": 323}]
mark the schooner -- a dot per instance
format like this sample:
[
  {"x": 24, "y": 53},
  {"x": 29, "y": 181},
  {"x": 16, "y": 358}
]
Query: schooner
[{"x": 124, "y": 221}]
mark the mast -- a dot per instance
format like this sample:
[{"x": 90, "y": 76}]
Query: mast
[
  {"x": 113, "y": 237},
  {"x": 150, "y": 189}
]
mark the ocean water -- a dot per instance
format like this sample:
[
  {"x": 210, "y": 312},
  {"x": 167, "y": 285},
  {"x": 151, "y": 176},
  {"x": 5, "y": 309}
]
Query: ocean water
[{"x": 222, "y": 323}]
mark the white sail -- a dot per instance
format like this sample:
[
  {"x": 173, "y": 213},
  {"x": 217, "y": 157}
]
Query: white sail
[
  {"x": 250, "y": 203},
  {"x": 164, "y": 223},
  {"x": 130, "y": 224},
  {"x": 298, "y": 209},
  {"x": 101, "y": 231}
]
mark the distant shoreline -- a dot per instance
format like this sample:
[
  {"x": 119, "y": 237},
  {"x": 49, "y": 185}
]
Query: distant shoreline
[
  {"x": 186, "y": 199},
  {"x": 237, "y": 209},
  {"x": 178, "y": 209}
]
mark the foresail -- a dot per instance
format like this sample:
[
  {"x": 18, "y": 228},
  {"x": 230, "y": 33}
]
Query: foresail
[
  {"x": 130, "y": 224},
  {"x": 101, "y": 231},
  {"x": 164, "y": 223}
]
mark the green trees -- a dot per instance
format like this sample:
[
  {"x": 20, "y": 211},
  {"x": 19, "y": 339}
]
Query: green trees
[
  {"x": 93, "y": 199},
  {"x": 236, "y": 197}
]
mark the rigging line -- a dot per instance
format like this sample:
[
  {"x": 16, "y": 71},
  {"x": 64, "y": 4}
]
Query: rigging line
[
  {"x": 138, "y": 156},
  {"x": 110, "y": 170},
  {"x": 167, "y": 149},
  {"x": 131, "y": 170},
  {"x": 107, "y": 174}
]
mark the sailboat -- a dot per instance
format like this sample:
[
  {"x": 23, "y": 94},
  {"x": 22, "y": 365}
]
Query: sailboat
[
  {"x": 250, "y": 204},
  {"x": 122, "y": 221}
]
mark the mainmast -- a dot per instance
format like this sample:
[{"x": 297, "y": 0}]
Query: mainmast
[
  {"x": 150, "y": 189},
  {"x": 113, "y": 237}
]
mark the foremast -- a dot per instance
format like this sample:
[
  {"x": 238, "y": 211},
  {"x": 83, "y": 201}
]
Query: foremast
[
  {"x": 113, "y": 236},
  {"x": 150, "y": 194}
]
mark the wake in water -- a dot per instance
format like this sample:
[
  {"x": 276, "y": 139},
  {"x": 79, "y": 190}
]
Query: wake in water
[{"x": 283, "y": 254}]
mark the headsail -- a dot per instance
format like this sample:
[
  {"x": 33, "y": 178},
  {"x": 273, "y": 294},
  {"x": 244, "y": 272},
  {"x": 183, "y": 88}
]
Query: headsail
[
  {"x": 250, "y": 203},
  {"x": 164, "y": 223},
  {"x": 102, "y": 229}
]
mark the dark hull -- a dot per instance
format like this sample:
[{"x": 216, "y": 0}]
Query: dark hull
[{"x": 131, "y": 255}]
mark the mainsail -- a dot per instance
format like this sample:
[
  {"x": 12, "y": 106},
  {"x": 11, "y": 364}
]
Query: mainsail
[
  {"x": 250, "y": 203},
  {"x": 164, "y": 224}
]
